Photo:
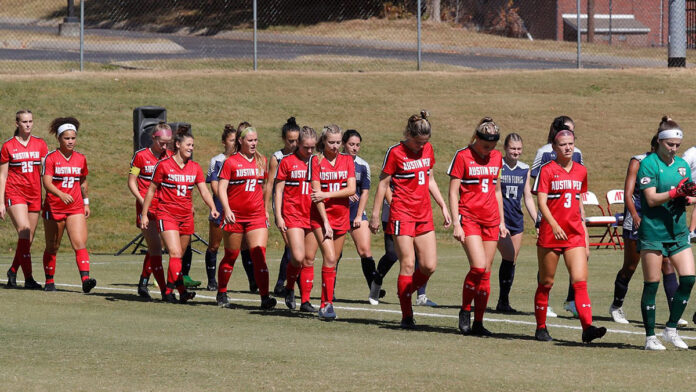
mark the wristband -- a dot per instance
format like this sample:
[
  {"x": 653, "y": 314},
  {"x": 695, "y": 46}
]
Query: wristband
[{"x": 85, "y": 201}]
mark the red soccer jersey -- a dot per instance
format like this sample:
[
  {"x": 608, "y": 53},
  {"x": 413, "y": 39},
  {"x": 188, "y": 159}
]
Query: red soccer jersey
[
  {"x": 245, "y": 191},
  {"x": 410, "y": 176},
  {"x": 175, "y": 185},
  {"x": 564, "y": 190},
  {"x": 24, "y": 166},
  {"x": 67, "y": 174},
  {"x": 296, "y": 194},
  {"x": 145, "y": 160},
  {"x": 333, "y": 178},
  {"x": 479, "y": 177}
]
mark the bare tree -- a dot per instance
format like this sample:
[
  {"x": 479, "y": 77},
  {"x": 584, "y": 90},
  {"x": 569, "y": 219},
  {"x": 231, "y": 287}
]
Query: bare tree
[
  {"x": 590, "y": 20},
  {"x": 434, "y": 10}
]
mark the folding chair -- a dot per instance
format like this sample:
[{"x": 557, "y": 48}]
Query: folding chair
[
  {"x": 616, "y": 196},
  {"x": 603, "y": 221}
]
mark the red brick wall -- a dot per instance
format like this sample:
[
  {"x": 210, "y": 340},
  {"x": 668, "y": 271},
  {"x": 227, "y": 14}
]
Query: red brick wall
[{"x": 645, "y": 11}]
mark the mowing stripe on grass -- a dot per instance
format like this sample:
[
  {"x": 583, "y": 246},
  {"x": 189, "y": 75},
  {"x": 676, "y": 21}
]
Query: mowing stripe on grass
[{"x": 391, "y": 311}]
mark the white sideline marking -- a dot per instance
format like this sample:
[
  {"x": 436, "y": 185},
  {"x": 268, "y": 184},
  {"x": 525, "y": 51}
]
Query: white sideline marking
[{"x": 391, "y": 311}]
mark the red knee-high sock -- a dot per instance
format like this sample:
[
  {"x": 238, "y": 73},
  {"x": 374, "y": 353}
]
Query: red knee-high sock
[
  {"x": 82, "y": 260},
  {"x": 49, "y": 263},
  {"x": 291, "y": 275},
  {"x": 306, "y": 281},
  {"x": 158, "y": 271},
  {"x": 226, "y": 268},
  {"x": 483, "y": 291},
  {"x": 18, "y": 256},
  {"x": 541, "y": 303},
  {"x": 147, "y": 266},
  {"x": 328, "y": 278},
  {"x": 419, "y": 279},
  {"x": 471, "y": 282},
  {"x": 404, "y": 284},
  {"x": 24, "y": 247},
  {"x": 582, "y": 303},
  {"x": 258, "y": 257},
  {"x": 173, "y": 274}
]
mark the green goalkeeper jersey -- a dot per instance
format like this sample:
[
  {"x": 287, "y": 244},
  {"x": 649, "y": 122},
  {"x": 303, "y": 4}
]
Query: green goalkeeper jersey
[{"x": 667, "y": 221}]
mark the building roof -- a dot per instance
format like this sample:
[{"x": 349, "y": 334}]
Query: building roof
[{"x": 620, "y": 23}]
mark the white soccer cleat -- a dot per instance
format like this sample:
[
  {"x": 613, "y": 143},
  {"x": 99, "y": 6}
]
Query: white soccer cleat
[
  {"x": 374, "y": 293},
  {"x": 570, "y": 306},
  {"x": 618, "y": 314},
  {"x": 671, "y": 335},
  {"x": 652, "y": 343},
  {"x": 682, "y": 323},
  {"x": 550, "y": 312}
]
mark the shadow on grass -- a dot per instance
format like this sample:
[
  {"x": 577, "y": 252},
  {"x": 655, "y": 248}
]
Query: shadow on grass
[{"x": 597, "y": 344}]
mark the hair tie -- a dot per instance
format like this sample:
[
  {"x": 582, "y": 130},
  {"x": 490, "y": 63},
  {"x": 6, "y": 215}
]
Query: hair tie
[
  {"x": 489, "y": 137},
  {"x": 65, "y": 127}
]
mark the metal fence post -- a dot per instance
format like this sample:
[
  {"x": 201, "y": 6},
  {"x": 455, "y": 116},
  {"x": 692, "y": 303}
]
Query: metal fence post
[
  {"x": 419, "y": 34},
  {"x": 256, "y": 64},
  {"x": 82, "y": 35},
  {"x": 577, "y": 15},
  {"x": 677, "y": 34}
]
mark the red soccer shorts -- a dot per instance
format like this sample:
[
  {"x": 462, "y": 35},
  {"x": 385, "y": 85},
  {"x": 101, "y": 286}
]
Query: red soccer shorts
[
  {"x": 60, "y": 216},
  {"x": 183, "y": 226},
  {"x": 138, "y": 211},
  {"x": 408, "y": 228},
  {"x": 245, "y": 227},
  {"x": 33, "y": 204},
  {"x": 296, "y": 222},
  {"x": 487, "y": 233}
]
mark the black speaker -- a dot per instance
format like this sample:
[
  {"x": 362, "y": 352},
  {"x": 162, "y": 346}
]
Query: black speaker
[{"x": 144, "y": 120}]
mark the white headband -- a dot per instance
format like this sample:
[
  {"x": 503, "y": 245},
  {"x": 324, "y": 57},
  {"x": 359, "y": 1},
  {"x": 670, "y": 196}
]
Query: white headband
[
  {"x": 674, "y": 133},
  {"x": 65, "y": 127}
]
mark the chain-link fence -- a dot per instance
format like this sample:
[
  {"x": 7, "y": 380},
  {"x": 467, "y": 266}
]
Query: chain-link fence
[{"x": 336, "y": 35}]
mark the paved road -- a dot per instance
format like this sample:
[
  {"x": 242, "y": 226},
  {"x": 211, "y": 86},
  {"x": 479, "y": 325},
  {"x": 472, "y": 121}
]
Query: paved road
[{"x": 217, "y": 48}]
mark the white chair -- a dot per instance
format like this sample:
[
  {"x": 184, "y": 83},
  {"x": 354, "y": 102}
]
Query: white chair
[
  {"x": 614, "y": 197},
  {"x": 604, "y": 221}
]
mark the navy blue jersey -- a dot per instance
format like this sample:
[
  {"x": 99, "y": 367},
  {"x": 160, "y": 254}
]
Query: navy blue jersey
[
  {"x": 213, "y": 169},
  {"x": 362, "y": 181},
  {"x": 546, "y": 154},
  {"x": 628, "y": 219},
  {"x": 512, "y": 182}
]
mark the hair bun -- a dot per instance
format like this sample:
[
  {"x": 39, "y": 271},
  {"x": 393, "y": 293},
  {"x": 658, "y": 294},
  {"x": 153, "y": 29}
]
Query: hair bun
[
  {"x": 292, "y": 122},
  {"x": 424, "y": 114},
  {"x": 666, "y": 118},
  {"x": 183, "y": 130}
]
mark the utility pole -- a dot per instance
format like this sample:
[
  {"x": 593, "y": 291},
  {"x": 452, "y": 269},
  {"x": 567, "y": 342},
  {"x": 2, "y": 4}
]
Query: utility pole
[
  {"x": 677, "y": 34},
  {"x": 590, "y": 20}
]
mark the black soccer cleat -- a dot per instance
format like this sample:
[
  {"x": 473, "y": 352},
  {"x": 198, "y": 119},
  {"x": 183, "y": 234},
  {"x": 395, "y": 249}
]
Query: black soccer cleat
[
  {"x": 222, "y": 300},
  {"x": 382, "y": 293},
  {"x": 50, "y": 287},
  {"x": 268, "y": 302},
  {"x": 31, "y": 284},
  {"x": 307, "y": 307},
  {"x": 169, "y": 298},
  {"x": 186, "y": 296},
  {"x": 592, "y": 333},
  {"x": 542, "y": 335},
  {"x": 290, "y": 299},
  {"x": 212, "y": 285},
  {"x": 11, "y": 280},
  {"x": 504, "y": 307},
  {"x": 143, "y": 291},
  {"x": 88, "y": 285},
  {"x": 477, "y": 329},
  {"x": 408, "y": 323},
  {"x": 279, "y": 290},
  {"x": 465, "y": 321}
]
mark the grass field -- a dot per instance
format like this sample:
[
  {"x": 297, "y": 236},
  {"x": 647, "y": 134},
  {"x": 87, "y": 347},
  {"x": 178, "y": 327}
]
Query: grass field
[
  {"x": 616, "y": 113},
  {"x": 109, "y": 340}
]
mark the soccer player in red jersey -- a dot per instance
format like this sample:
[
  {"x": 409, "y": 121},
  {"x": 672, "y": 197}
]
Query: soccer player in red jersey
[
  {"x": 408, "y": 169},
  {"x": 139, "y": 178},
  {"x": 241, "y": 188},
  {"x": 290, "y": 133},
  {"x": 475, "y": 190},
  {"x": 20, "y": 192},
  {"x": 559, "y": 187},
  {"x": 293, "y": 187},
  {"x": 173, "y": 181},
  {"x": 333, "y": 182},
  {"x": 66, "y": 206}
]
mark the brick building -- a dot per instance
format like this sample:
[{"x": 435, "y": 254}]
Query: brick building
[{"x": 631, "y": 22}]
